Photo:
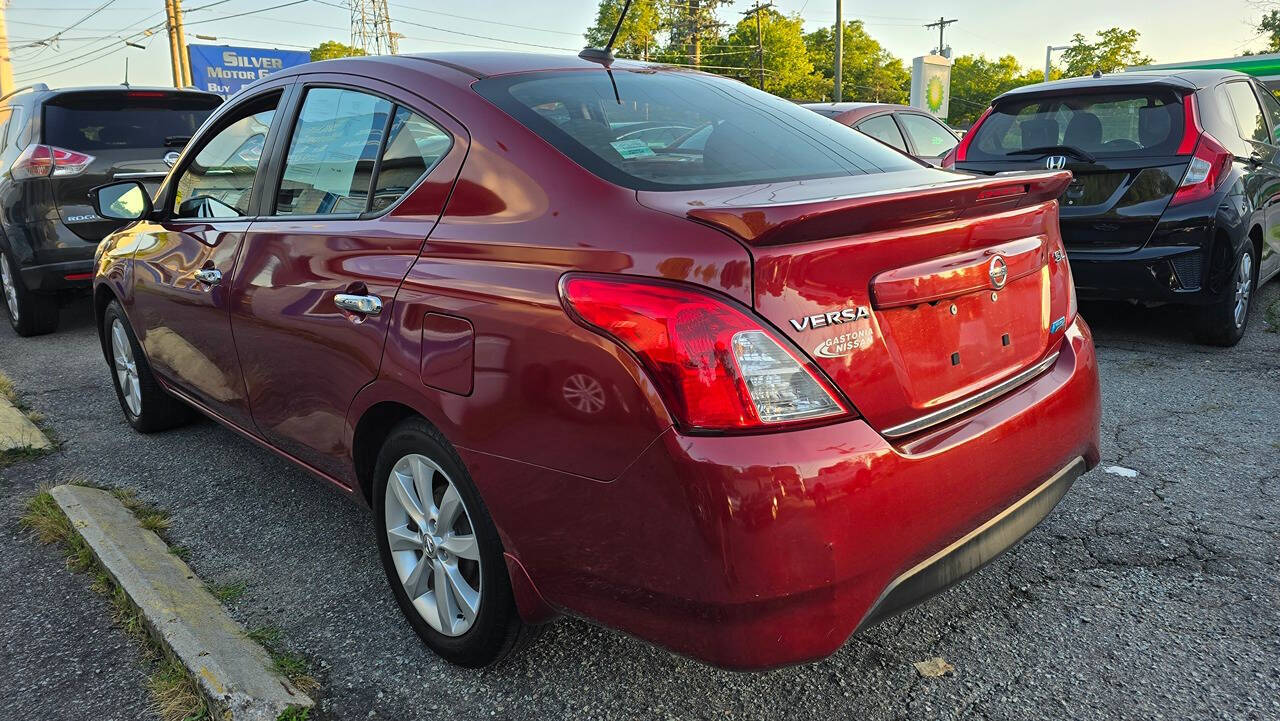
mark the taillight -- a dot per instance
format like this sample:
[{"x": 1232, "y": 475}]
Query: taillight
[
  {"x": 1206, "y": 171},
  {"x": 960, "y": 153},
  {"x": 42, "y": 161},
  {"x": 715, "y": 367}
]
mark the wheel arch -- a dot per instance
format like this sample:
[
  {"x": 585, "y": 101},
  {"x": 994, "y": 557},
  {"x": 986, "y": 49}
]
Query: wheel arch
[{"x": 368, "y": 433}]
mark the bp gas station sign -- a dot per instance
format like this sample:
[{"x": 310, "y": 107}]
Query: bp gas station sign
[{"x": 931, "y": 85}]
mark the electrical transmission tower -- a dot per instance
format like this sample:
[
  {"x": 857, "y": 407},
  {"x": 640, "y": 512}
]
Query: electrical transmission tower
[{"x": 371, "y": 27}]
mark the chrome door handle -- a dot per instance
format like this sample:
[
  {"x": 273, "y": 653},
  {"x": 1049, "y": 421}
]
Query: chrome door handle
[
  {"x": 362, "y": 304},
  {"x": 209, "y": 276}
]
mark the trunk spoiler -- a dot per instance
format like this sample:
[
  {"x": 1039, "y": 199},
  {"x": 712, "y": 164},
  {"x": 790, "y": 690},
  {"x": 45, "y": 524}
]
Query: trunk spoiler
[{"x": 767, "y": 223}]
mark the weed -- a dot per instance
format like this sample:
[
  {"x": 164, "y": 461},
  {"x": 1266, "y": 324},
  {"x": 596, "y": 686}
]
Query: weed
[
  {"x": 228, "y": 592},
  {"x": 294, "y": 713},
  {"x": 174, "y": 693}
]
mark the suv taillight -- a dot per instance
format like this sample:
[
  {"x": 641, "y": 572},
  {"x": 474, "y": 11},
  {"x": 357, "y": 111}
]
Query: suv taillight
[
  {"x": 42, "y": 161},
  {"x": 959, "y": 153},
  {"x": 715, "y": 367}
]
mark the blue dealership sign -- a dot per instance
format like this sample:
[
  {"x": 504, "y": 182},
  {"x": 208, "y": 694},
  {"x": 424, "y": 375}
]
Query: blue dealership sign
[{"x": 223, "y": 69}]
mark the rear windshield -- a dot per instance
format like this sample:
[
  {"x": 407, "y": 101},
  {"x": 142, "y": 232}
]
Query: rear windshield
[
  {"x": 714, "y": 131},
  {"x": 101, "y": 121},
  {"x": 1142, "y": 123}
]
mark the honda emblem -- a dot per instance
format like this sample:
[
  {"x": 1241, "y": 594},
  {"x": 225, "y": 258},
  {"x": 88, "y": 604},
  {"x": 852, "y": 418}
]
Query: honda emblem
[{"x": 1055, "y": 162}]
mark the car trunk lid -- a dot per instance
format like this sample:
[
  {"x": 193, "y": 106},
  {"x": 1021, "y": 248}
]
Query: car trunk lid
[
  {"x": 1123, "y": 148},
  {"x": 913, "y": 291}
]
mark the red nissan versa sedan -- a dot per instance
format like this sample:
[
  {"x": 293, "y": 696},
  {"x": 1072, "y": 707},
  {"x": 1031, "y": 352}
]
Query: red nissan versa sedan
[{"x": 739, "y": 392}]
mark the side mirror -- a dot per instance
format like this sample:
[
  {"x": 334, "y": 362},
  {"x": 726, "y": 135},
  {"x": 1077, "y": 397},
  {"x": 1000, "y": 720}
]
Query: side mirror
[{"x": 122, "y": 201}]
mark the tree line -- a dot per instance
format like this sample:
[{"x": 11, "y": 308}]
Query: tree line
[{"x": 801, "y": 66}]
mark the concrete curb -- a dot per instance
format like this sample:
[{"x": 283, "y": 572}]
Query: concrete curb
[
  {"x": 232, "y": 671},
  {"x": 17, "y": 431}
]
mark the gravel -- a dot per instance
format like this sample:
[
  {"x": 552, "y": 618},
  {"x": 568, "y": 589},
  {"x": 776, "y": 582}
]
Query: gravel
[{"x": 1147, "y": 596}]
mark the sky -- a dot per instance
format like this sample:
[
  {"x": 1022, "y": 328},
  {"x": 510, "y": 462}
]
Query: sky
[{"x": 93, "y": 51}]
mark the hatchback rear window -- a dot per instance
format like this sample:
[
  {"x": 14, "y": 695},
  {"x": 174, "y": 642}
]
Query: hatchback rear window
[
  {"x": 1104, "y": 125},
  {"x": 714, "y": 131},
  {"x": 106, "y": 121}
]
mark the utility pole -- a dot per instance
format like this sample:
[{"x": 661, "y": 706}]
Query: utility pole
[
  {"x": 6, "y": 69},
  {"x": 759, "y": 35},
  {"x": 184, "y": 60},
  {"x": 175, "y": 52},
  {"x": 1048, "y": 58},
  {"x": 839, "y": 47},
  {"x": 941, "y": 25}
]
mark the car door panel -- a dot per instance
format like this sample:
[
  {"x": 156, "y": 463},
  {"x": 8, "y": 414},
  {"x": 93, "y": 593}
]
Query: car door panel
[
  {"x": 1269, "y": 193},
  {"x": 304, "y": 357},
  {"x": 185, "y": 262}
]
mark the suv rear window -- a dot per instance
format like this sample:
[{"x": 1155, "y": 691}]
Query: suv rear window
[
  {"x": 728, "y": 133},
  {"x": 1138, "y": 123},
  {"x": 122, "y": 120}
]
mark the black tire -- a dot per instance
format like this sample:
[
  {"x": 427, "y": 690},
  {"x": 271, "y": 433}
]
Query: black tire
[
  {"x": 158, "y": 411},
  {"x": 36, "y": 313},
  {"x": 497, "y": 629},
  {"x": 1219, "y": 324}
]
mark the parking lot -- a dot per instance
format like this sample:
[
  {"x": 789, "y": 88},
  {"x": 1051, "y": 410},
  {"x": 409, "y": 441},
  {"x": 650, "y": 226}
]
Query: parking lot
[{"x": 1147, "y": 596}]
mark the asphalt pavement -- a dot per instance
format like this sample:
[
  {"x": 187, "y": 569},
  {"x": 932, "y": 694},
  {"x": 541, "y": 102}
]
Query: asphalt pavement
[{"x": 1153, "y": 595}]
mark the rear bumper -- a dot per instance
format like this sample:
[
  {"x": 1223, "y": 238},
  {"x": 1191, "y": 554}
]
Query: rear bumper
[
  {"x": 54, "y": 277},
  {"x": 759, "y": 551},
  {"x": 1164, "y": 274}
]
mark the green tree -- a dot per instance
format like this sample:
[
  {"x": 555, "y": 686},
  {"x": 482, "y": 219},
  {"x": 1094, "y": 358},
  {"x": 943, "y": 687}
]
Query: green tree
[
  {"x": 330, "y": 49},
  {"x": 1268, "y": 26},
  {"x": 788, "y": 70},
  {"x": 638, "y": 36},
  {"x": 1114, "y": 50},
  {"x": 694, "y": 29},
  {"x": 869, "y": 71},
  {"x": 976, "y": 81}
]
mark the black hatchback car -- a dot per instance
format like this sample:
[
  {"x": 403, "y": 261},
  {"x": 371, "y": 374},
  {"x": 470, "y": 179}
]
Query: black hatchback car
[
  {"x": 57, "y": 145},
  {"x": 1176, "y": 173}
]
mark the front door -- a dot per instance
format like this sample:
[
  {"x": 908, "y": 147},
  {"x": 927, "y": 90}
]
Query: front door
[
  {"x": 320, "y": 269},
  {"x": 1270, "y": 195},
  {"x": 184, "y": 266}
]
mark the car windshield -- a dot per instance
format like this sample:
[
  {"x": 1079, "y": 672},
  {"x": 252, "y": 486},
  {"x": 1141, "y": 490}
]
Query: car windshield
[
  {"x": 670, "y": 130},
  {"x": 105, "y": 121},
  {"x": 1135, "y": 123}
]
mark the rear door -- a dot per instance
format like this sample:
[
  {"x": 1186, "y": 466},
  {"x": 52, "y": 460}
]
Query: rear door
[
  {"x": 1122, "y": 146},
  {"x": 126, "y": 133},
  {"x": 1270, "y": 261},
  {"x": 363, "y": 178}
]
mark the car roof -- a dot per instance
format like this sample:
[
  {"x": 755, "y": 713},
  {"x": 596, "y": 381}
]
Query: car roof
[
  {"x": 480, "y": 64},
  {"x": 846, "y": 106},
  {"x": 1180, "y": 79}
]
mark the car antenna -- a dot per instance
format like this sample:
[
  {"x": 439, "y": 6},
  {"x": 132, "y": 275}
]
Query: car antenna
[
  {"x": 605, "y": 56},
  {"x": 126, "y": 72},
  {"x": 1097, "y": 73}
]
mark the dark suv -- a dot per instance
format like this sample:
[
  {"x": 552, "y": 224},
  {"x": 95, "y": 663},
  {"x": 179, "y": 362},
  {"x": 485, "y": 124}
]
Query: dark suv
[
  {"x": 1175, "y": 174},
  {"x": 55, "y": 146}
]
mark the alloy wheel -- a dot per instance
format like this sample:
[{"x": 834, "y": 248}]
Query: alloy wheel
[
  {"x": 126, "y": 368},
  {"x": 433, "y": 545},
  {"x": 10, "y": 291},
  {"x": 1244, "y": 286},
  {"x": 583, "y": 393}
]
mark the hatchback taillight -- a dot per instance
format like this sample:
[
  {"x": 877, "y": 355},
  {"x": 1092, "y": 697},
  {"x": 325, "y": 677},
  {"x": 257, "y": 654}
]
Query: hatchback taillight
[
  {"x": 960, "y": 152},
  {"x": 42, "y": 161},
  {"x": 716, "y": 368},
  {"x": 1206, "y": 171}
]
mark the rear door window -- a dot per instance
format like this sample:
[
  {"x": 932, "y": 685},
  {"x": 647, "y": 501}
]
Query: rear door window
[
  {"x": 1249, "y": 119},
  {"x": 414, "y": 146},
  {"x": 97, "y": 121},
  {"x": 1272, "y": 106},
  {"x": 882, "y": 128},
  {"x": 1128, "y": 124},
  {"x": 930, "y": 138},
  {"x": 753, "y": 137}
]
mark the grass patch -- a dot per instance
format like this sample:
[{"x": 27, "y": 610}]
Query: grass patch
[
  {"x": 293, "y": 666},
  {"x": 149, "y": 517},
  {"x": 295, "y": 713},
  {"x": 228, "y": 592},
  {"x": 7, "y": 390},
  {"x": 1272, "y": 317},
  {"x": 175, "y": 695},
  {"x": 181, "y": 552},
  {"x": 11, "y": 456}
]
